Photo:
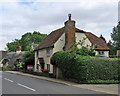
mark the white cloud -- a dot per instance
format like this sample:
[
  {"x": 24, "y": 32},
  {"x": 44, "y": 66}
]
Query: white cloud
[{"x": 97, "y": 16}]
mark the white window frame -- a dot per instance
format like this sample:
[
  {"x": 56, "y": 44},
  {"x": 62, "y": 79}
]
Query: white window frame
[{"x": 101, "y": 53}]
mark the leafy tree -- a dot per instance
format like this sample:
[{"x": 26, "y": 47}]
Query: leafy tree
[
  {"x": 112, "y": 48},
  {"x": 116, "y": 36},
  {"x": 13, "y": 45},
  {"x": 102, "y": 38},
  {"x": 28, "y": 58},
  {"x": 26, "y": 41}
]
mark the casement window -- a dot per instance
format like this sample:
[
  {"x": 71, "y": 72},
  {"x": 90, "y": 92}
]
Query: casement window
[
  {"x": 37, "y": 53},
  {"x": 48, "y": 52},
  {"x": 48, "y": 67},
  {"x": 37, "y": 66},
  {"x": 101, "y": 53}
]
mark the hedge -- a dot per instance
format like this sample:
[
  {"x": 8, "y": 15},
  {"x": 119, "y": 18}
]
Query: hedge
[
  {"x": 114, "y": 56},
  {"x": 85, "y": 68}
]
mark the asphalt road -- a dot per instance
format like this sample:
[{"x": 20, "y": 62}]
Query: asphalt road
[{"x": 16, "y": 84}]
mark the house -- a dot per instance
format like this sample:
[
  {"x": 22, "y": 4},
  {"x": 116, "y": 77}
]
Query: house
[
  {"x": 62, "y": 39},
  {"x": 2, "y": 54},
  {"x": 12, "y": 58}
]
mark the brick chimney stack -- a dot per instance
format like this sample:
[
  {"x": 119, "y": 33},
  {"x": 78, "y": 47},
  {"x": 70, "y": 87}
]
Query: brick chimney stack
[
  {"x": 18, "y": 49},
  {"x": 69, "y": 33},
  {"x": 69, "y": 16},
  {"x": 118, "y": 52}
]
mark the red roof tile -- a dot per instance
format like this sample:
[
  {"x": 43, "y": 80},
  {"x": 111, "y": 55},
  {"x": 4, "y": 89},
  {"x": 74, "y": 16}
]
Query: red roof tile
[
  {"x": 55, "y": 35},
  {"x": 98, "y": 42},
  {"x": 50, "y": 39}
]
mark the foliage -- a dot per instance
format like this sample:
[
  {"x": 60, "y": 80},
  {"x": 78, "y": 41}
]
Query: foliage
[
  {"x": 101, "y": 82},
  {"x": 113, "y": 49},
  {"x": 17, "y": 66},
  {"x": 102, "y": 38},
  {"x": 85, "y": 68},
  {"x": 116, "y": 36},
  {"x": 28, "y": 58},
  {"x": 13, "y": 45},
  {"x": 26, "y": 41},
  {"x": 83, "y": 51},
  {"x": 114, "y": 56},
  {"x": 7, "y": 68}
]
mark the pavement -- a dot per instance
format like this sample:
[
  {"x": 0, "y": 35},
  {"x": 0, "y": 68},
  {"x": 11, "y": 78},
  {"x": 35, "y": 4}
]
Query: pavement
[{"x": 105, "y": 88}]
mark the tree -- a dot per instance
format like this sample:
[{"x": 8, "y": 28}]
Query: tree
[
  {"x": 112, "y": 48},
  {"x": 102, "y": 38},
  {"x": 116, "y": 36},
  {"x": 13, "y": 45},
  {"x": 26, "y": 41},
  {"x": 28, "y": 58}
]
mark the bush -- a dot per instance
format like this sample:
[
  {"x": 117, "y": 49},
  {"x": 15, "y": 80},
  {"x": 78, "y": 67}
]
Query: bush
[
  {"x": 10, "y": 68},
  {"x": 28, "y": 59},
  {"x": 17, "y": 66},
  {"x": 85, "y": 68},
  {"x": 114, "y": 56},
  {"x": 83, "y": 51}
]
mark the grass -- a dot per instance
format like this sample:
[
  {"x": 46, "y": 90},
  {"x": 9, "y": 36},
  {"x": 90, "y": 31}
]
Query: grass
[{"x": 102, "y": 82}]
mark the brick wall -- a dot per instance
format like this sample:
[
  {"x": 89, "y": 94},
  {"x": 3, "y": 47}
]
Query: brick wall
[
  {"x": 118, "y": 52},
  {"x": 69, "y": 34}
]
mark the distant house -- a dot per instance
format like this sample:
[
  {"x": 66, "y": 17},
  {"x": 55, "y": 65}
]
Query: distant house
[
  {"x": 2, "y": 54},
  {"x": 12, "y": 58},
  {"x": 62, "y": 39}
]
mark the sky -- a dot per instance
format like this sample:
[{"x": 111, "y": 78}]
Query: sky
[{"x": 20, "y": 16}]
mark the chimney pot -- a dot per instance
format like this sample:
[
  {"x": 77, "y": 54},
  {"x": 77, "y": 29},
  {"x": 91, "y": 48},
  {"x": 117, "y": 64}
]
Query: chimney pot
[
  {"x": 69, "y": 15},
  {"x": 69, "y": 34}
]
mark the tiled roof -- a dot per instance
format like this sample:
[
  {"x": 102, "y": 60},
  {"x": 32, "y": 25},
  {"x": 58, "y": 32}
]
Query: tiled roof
[
  {"x": 97, "y": 42},
  {"x": 55, "y": 35},
  {"x": 50, "y": 39},
  {"x": 12, "y": 57}
]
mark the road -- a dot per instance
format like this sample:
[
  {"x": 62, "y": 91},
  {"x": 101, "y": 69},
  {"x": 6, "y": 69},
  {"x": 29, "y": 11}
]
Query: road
[{"x": 16, "y": 84}]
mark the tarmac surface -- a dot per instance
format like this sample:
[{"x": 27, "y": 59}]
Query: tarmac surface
[{"x": 59, "y": 86}]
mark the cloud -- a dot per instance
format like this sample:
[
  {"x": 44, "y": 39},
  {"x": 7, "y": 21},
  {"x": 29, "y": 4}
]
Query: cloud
[{"x": 20, "y": 17}]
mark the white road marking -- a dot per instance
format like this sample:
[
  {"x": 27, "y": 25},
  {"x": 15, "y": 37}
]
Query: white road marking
[
  {"x": 26, "y": 87},
  {"x": 8, "y": 79}
]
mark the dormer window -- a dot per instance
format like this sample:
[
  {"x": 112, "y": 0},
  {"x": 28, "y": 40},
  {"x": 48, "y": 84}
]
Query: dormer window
[{"x": 48, "y": 52}]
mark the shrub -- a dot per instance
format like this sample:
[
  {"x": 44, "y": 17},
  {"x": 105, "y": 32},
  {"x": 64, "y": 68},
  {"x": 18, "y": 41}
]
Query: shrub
[
  {"x": 114, "y": 56},
  {"x": 28, "y": 59},
  {"x": 85, "y": 68},
  {"x": 17, "y": 66},
  {"x": 83, "y": 51}
]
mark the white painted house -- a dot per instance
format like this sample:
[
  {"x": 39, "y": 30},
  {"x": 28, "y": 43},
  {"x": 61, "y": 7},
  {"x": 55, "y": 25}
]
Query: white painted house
[{"x": 62, "y": 39}]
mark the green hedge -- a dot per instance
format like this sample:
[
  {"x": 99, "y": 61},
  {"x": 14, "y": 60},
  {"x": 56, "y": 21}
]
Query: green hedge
[
  {"x": 114, "y": 56},
  {"x": 85, "y": 68}
]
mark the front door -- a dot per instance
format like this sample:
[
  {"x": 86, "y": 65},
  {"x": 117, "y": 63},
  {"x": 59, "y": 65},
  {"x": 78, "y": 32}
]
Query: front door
[
  {"x": 42, "y": 63},
  {"x": 37, "y": 67}
]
